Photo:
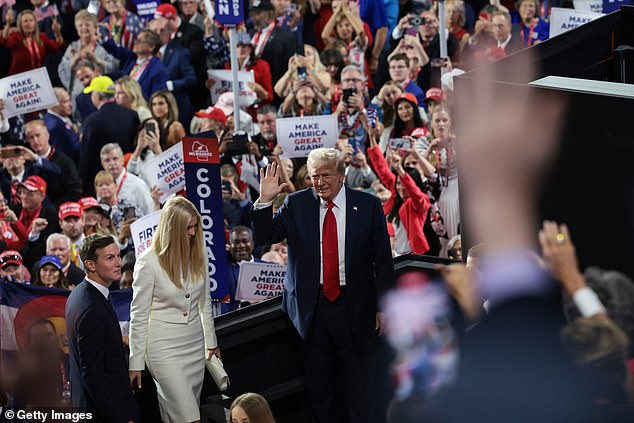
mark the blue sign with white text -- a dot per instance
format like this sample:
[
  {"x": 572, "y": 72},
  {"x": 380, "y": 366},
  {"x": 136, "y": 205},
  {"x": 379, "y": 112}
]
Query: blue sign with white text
[
  {"x": 229, "y": 12},
  {"x": 610, "y": 6},
  {"x": 202, "y": 178}
]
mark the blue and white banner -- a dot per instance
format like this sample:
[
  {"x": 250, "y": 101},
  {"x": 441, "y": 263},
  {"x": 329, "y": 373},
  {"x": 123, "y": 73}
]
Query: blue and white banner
[{"x": 202, "y": 178}]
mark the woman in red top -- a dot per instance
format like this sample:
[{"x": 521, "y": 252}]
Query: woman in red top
[
  {"x": 456, "y": 18},
  {"x": 28, "y": 46},
  {"x": 247, "y": 61},
  {"x": 406, "y": 208}
]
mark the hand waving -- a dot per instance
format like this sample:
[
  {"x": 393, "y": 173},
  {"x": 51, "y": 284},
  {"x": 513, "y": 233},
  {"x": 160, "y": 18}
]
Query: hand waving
[{"x": 270, "y": 183}]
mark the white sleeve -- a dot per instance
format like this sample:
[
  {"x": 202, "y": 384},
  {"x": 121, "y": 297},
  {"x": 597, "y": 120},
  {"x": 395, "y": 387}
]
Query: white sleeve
[
  {"x": 142, "y": 296},
  {"x": 204, "y": 308}
]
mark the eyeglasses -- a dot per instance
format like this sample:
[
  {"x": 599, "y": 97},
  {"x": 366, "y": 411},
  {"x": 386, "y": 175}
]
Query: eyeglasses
[
  {"x": 351, "y": 80},
  {"x": 10, "y": 257}
]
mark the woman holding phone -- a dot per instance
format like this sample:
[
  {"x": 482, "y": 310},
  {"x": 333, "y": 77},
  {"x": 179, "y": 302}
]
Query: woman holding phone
[
  {"x": 171, "y": 327},
  {"x": 149, "y": 143},
  {"x": 165, "y": 111}
]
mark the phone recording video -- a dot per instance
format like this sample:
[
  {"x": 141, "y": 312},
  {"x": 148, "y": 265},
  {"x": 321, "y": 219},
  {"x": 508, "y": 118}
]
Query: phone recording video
[
  {"x": 347, "y": 93},
  {"x": 150, "y": 127},
  {"x": 129, "y": 213},
  {"x": 10, "y": 152}
]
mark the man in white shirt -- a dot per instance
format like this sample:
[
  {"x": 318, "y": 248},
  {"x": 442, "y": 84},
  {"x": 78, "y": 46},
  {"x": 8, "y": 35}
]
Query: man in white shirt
[
  {"x": 501, "y": 22},
  {"x": 130, "y": 187}
]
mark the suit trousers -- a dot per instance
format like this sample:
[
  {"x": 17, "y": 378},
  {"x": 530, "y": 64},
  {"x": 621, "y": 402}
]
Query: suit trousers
[{"x": 336, "y": 368}]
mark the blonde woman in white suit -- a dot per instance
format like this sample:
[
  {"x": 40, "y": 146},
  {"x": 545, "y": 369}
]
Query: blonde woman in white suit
[{"x": 171, "y": 327}]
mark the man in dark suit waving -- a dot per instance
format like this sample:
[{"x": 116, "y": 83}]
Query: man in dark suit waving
[
  {"x": 339, "y": 260},
  {"x": 98, "y": 373}
]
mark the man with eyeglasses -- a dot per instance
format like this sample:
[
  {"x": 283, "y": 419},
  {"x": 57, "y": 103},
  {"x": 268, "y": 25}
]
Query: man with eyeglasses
[
  {"x": 400, "y": 72},
  {"x": 141, "y": 63},
  {"x": 353, "y": 115}
]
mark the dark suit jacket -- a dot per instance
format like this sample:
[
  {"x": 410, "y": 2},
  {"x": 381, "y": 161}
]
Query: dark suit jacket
[
  {"x": 62, "y": 138},
  {"x": 98, "y": 373},
  {"x": 153, "y": 77},
  {"x": 83, "y": 107},
  {"x": 178, "y": 65},
  {"x": 111, "y": 123},
  {"x": 280, "y": 46},
  {"x": 368, "y": 257},
  {"x": 68, "y": 187},
  {"x": 190, "y": 37}
]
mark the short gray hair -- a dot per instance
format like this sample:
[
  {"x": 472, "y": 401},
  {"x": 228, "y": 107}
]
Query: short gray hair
[
  {"x": 56, "y": 237},
  {"x": 322, "y": 156},
  {"x": 108, "y": 148},
  {"x": 353, "y": 68}
]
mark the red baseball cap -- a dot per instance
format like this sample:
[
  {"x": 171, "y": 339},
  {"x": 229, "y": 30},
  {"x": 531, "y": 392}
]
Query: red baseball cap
[
  {"x": 409, "y": 97},
  {"x": 88, "y": 203},
  {"x": 435, "y": 94},
  {"x": 165, "y": 11},
  {"x": 10, "y": 257},
  {"x": 69, "y": 209},
  {"x": 34, "y": 183},
  {"x": 213, "y": 113}
]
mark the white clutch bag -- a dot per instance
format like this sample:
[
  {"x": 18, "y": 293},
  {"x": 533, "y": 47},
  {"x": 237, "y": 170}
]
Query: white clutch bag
[{"x": 218, "y": 373}]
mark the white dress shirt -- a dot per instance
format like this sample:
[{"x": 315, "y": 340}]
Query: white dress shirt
[
  {"x": 136, "y": 192},
  {"x": 339, "y": 210},
  {"x": 104, "y": 291}
]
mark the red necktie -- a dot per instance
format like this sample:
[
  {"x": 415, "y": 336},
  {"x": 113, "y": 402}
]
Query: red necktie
[{"x": 330, "y": 255}]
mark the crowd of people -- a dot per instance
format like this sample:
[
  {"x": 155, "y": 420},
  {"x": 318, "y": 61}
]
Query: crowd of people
[{"x": 131, "y": 85}]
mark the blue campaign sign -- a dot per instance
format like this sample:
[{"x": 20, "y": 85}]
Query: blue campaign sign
[
  {"x": 229, "y": 12},
  {"x": 610, "y": 6},
  {"x": 202, "y": 180}
]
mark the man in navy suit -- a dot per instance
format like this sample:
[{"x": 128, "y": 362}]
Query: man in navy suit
[
  {"x": 179, "y": 68},
  {"x": 63, "y": 133},
  {"x": 98, "y": 372},
  {"x": 141, "y": 63},
  {"x": 339, "y": 260},
  {"x": 110, "y": 123}
]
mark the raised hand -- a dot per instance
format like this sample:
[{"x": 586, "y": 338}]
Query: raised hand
[{"x": 270, "y": 183}]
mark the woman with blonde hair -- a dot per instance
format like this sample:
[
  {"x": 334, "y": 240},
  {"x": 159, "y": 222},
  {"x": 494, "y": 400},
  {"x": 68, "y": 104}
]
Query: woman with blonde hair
[
  {"x": 171, "y": 327},
  {"x": 316, "y": 72},
  {"x": 28, "y": 46},
  {"x": 164, "y": 109},
  {"x": 250, "y": 408},
  {"x": 128, "y": 94}
]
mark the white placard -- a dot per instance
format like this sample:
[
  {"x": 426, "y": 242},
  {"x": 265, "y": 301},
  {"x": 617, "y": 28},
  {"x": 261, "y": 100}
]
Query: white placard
[
  {"x": 299, "y": 136},
  {"x": 167, "y": 171},
  {"x": 223, "y": 83},
  {"x": 260, "y": 281},
  {"x": 142, "y": 231},
  {"x": 562, "y": 20},
  {"x": 588, "y": 5},
  {"x": 27, "y": 92}
]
